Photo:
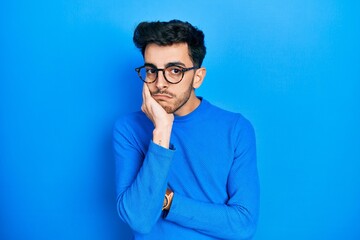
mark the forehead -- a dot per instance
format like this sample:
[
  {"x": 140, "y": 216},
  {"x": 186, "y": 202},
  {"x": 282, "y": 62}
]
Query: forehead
[{"x": 162, "y": 55}]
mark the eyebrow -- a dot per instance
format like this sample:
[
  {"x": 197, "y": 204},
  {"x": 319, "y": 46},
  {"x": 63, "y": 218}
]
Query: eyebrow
[{"x": 170, "y": 64}]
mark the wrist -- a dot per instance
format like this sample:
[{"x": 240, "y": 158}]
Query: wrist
[
  {"x": 167, "y": 200},
  {"x": 161, "y": 136}
]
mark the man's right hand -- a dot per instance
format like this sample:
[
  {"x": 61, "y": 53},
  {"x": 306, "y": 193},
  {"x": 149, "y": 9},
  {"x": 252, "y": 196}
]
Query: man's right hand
[{"x": 162, "y": 120}]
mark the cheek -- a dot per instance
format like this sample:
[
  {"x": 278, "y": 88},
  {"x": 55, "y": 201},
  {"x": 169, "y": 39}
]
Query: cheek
[
  {"x": 186, "y": 84},
  {"x": 181, "y": 90}
]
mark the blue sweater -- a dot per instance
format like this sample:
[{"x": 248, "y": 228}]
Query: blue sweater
[{"x": 211, "y": 167}]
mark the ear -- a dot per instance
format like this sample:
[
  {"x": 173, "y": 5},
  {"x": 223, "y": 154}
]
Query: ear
[{"x": 199, "y": 77}]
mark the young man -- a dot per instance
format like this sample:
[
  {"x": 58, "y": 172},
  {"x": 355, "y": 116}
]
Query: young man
[{"x": 186, "y": 169}]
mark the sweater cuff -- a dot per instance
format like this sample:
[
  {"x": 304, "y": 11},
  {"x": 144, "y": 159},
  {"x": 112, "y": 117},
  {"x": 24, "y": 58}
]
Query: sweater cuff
[
  {"x": 179, "y": 206},
  {"x": 156, "y": 146},
  {"x": 161, "y": 151}
]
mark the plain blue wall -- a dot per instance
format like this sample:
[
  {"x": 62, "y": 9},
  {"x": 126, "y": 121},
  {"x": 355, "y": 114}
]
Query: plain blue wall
[{"x": 66, "y": 68}]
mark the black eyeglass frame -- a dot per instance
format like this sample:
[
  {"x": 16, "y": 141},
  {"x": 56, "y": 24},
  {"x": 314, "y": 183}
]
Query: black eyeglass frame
[{"x": 183, "y": 70}]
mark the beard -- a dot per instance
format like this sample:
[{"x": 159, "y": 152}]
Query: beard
[{"x": 180, "y": 101}]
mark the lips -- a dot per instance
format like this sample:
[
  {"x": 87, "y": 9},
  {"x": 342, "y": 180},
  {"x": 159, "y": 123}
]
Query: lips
[{"x": 162, "y": 96}]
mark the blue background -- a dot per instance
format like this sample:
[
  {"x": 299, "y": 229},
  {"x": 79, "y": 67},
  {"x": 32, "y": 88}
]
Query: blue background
[{"x": 66, "y": 73}]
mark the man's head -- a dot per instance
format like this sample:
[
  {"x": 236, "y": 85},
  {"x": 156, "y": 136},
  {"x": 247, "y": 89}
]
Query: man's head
[
  {"x": 173, "y": 53},
  {"x": 168, "y": 33}
]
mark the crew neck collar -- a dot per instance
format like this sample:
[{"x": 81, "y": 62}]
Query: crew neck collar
[{"x": 196, "y": 112}]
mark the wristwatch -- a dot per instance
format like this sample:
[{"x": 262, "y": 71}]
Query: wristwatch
[{"x": 167, "y": 200}]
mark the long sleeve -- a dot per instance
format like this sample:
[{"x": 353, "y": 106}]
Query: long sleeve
[
  {"x": 237, "y": 218},
  {"x": 141, "y": 179},
  {"x": 213, "y": 173}
]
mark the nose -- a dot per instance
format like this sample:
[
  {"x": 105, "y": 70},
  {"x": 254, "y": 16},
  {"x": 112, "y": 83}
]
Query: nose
[{"x": 161, "y": 82}]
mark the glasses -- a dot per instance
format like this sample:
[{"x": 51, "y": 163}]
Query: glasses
[{"x": 172, "y": 74}]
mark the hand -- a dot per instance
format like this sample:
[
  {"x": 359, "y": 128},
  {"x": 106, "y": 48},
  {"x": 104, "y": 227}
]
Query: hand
[
  {"x": 161, "y": 119},
  {"x": 154, "y": 111}
]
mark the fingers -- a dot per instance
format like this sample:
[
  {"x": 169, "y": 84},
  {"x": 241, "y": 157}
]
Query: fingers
[
  {"x": 146, "y": 91},
  {"x": 153, "y": 110},
  {"x": 145, "y": 107},
  {"x": 143, "y": 91},
  {"x": 147, "y": 98},
  {"x": 146, "y": 95}
]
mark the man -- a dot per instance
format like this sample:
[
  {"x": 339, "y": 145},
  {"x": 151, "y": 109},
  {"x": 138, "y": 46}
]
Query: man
[{"x": 185, "y": 168}]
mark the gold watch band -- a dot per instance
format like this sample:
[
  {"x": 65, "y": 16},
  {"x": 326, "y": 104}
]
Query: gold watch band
[{"x": 167, "y": 199}]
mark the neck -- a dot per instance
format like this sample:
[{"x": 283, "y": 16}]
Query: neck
[{"x": 192, "y": 103}]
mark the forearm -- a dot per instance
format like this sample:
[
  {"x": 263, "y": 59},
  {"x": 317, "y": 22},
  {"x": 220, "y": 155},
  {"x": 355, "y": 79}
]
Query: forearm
[
  {"x": 140, "y": 201},
  {"x": 161, "y": 136},
  {"x": 226, "y": 221},
  {"x": 142, "y": 181}
]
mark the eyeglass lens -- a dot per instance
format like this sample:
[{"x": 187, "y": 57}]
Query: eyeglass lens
[{"x": 172, "y": 74}]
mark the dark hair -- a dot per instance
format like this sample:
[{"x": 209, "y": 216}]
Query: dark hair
[{"x": 168, "y": 33}]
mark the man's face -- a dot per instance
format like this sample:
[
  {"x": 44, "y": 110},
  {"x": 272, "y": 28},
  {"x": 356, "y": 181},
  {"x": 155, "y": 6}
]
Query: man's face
[{"x": 174, "y": 98}]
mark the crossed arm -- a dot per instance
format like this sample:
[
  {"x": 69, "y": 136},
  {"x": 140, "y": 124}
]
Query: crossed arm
[{"x": 142, "y": 182}]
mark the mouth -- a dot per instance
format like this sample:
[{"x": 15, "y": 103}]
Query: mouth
[{"x": 161, "y": 96}]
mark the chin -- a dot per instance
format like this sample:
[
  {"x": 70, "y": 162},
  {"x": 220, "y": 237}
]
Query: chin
[{"x": 168, "y": 109}]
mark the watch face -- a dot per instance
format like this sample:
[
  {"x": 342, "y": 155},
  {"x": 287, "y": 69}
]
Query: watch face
[{"x": 166, "y": 202}]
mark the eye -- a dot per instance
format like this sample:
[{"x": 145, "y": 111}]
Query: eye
[
  {"x": 150, "y": 71},
  {"x": 175, "y": 70}
]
